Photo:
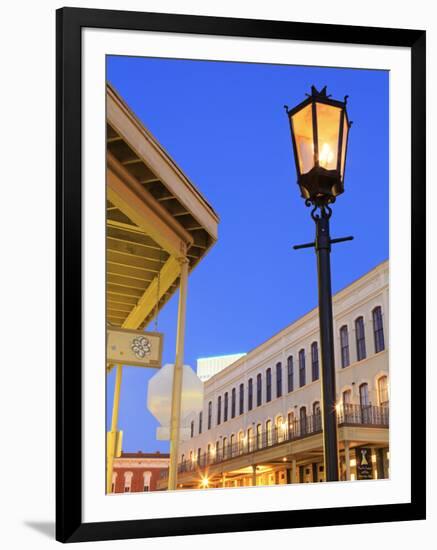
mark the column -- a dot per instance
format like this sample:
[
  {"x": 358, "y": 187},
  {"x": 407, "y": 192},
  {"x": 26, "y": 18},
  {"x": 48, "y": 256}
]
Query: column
[
  {"x": 177, "y": 377},
  {"x": 223, "y": 479},
  {"x": 112, "y": 436},
  {"x": 347, "y": 460},
  {"x": 293, "y": 471},
  {"x": 254, "y": 475}
]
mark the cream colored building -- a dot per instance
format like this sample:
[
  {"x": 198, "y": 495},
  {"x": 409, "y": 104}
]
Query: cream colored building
[{"x": 261, "y": 422}]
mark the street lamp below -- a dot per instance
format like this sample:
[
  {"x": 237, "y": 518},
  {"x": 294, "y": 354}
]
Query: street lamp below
[{"x": 319, "y": 129}]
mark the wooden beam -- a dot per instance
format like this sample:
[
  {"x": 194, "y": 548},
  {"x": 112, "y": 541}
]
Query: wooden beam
[
  {"x": 125, "y": 192},
  {"x": 146, "y": 304}
]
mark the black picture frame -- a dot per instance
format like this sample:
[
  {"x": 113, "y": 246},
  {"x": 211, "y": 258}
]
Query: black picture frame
[{"x": 70, "y": 22}]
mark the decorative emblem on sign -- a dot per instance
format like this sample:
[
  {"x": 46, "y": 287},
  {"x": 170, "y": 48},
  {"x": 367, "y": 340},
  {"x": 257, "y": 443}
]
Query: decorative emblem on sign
[{"x": 141, "y": 347}]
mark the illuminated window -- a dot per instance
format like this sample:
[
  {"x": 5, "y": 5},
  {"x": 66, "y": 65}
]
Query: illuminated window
[
  {"x": 278, "y": 379},
  {"x": 269, "y": 432},
  {"x": 378, "y": 329},
  {"x": 360, "y": 338},
  {"x": 259, "y": 436},
  {"x": 344, "y": 344},
  {"x": 290, "y": 374},
  {"x": 383, "y": 391}
]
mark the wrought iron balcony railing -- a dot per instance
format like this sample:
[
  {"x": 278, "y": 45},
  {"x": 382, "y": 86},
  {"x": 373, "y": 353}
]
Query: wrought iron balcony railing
[{"x": 259, "y": 439}]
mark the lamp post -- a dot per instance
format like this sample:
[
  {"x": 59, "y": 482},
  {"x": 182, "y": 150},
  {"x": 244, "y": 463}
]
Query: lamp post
[{"x": 319, "y": 130}]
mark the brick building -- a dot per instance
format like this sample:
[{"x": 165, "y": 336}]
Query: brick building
[{"x": 138, "y": 472}]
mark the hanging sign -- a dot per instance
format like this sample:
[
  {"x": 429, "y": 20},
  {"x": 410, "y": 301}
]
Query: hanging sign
[
  {"x": 134, "y": 347},
  {"x": 364, "y": 462}
]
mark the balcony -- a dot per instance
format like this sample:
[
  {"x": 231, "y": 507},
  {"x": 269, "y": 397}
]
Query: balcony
[{"x": 347, "y": 415}]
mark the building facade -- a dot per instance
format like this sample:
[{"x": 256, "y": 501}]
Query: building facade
[
  {"x": 138, "y": 472},
  {"x": 261, "y": 415}
]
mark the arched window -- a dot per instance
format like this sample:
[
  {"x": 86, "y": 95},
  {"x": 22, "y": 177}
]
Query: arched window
[
  {"x": 208, "y": 453},
  {"x": 347, "y": 397},
  {"x": 258, "y": 389},
  {"x": 378, "y": 329},
  {"x": 302, "y": 373},
  {"x": 217, "y": 451},
  {"x": 225, "y": 448},
  {"x": 291, "y": 423},
  {"x": 360, "y": 338},
  {"x": 219, "y": 409},
  {"x": 258, "y": 436},
  {"x": 250, "y": 394},
  {"x": 241, "y": 443},
  {"x": 250, "y": 440},
  {"x": 344, "y": 345},
  {"x": 233, "y": 407},
  {"x": 268, "y": 385},
  {"x": 146, "y": 480},
  {"x": 278, "y": 379},
  {"x": 317, "y": 416},
  {"x": 280, "y": 428},
  {"x": 114, "y": 481},
  {"x": 303, "y": 420},
  {"x": 225, "y": 407},
  {"x": 192, "y": 428},
  {"x": 200, "y": 422},
  {"x": 199, "y": 455},
  {"x": 290, "y": 374},
  {"x": 232, "y": 449},
  {"x": 269, "y": 432},
  {"x": 365, "y": 404},
  {"x": 383, "y": 391},
  {"x": 128, "y": 481},
  {"x": 209, "y": 414},
  {"x": 241, "y": 408},
  {"x": 315, "y": 361}
]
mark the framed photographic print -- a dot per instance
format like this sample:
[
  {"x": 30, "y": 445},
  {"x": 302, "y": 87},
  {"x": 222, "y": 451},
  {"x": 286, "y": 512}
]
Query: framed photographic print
[{"x": 241, "y": 253}]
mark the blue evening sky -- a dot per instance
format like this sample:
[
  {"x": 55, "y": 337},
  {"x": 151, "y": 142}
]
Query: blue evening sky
[{"x": 224, "y": 124}]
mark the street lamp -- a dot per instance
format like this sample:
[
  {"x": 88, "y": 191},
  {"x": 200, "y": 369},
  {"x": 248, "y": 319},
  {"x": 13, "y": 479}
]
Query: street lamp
[{"x": 319, "y": 131}]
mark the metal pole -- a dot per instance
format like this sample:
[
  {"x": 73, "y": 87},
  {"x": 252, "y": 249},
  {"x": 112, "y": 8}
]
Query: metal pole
[
  {"x": 323, "y": 251},
  {"x": 112, "y": 443},
  {"x": 177, "y": 377}
]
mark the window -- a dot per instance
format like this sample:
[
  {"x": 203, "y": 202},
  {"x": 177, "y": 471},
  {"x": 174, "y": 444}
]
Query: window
[
  {"x": 192, "y": 428},
  {"x": 290, "y": 418},
  {"x": 303, "y": 420},
  {"x": 364, "y": 394},
  {"x": 344, "y": 345},
  {"x": 269, "y": 432},
  {"x": 146, "y": 481},
  {"x": 209, "y": 414},
  {"x": 208, "y": 453},
  {"x": 217, "y": 450},
  {"x": 225, "y": 411},
  {"x": 258, "y": 390},
  {"x": 258, "y": 436},
  {"x": 378, "y": 329},
  {"x": 290, "y": 374},
  {"x": 199, "y": 453},
  {"x": 365, "y": 404},
  {"x": 233, "y": 403},
  {"x": 225, "y": 447},
  {"x": 268, "y": 385},
  {"x": 361, "y": 339},
  {"x": 383, "y": 391},
  {"x": 250, "y": 441},
  {"x": 250, "y": 394},
  {"x": 232, "y": 450},
  {"x": 347, "y": 395},
  {"x": 302, "y": 374},
  {"x": 317, "y": 417},
  {"x": 200, "y": 422},
  {"x": 241, "y": 407},
  {"x": 114, "y": 481},
  {"x": 128, "y": 481},
  {"x": 315, "y": 361},
  {"x": 280, "y": 429},
  {"x": 219, "y": 410},
  {"x": 241, "y": 443},
  {"x": 278, "y": 379}
]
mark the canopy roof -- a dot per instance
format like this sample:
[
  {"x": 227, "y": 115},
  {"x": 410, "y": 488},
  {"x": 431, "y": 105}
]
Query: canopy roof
[{"x": 155, "y": 217}]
